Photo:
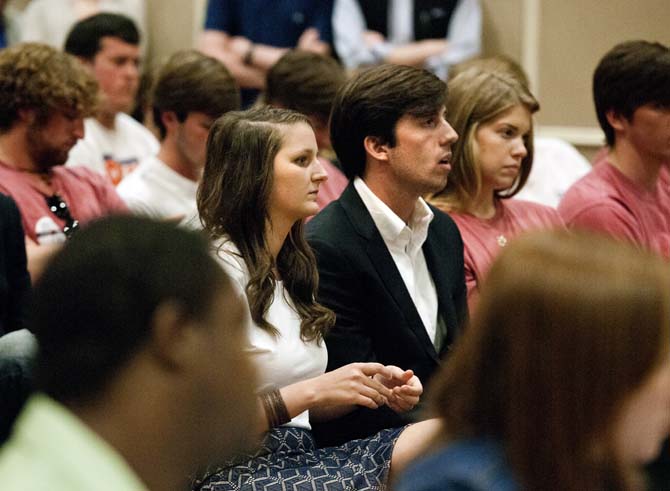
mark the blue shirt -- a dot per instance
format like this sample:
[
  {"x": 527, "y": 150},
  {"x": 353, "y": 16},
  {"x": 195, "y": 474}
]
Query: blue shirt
[
  {"x": 276, "y": 23},
  {"x": 468, "y": 465},
  {"x": 3, "y": 38}
]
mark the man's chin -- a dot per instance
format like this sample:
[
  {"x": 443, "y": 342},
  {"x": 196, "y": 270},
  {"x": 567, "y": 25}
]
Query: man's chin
[{"x": 47, "y": 163}]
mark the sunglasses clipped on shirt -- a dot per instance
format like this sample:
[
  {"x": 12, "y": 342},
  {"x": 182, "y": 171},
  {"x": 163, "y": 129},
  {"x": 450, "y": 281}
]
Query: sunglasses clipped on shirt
[{"x": 58, "y": 207}]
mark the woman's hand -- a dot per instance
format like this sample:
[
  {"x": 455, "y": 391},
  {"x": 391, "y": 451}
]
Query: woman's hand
[
  {"x": 405, "y": 386},
  {"x": 353, "y": 384}
]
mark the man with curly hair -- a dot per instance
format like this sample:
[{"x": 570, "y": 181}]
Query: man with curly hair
[{"x": 44, "y": 95}]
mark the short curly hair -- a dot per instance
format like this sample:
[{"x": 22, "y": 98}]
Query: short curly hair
[{"x": 37, "y": 76}]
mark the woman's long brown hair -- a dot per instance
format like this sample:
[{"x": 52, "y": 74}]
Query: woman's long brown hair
[{"x": 233, "y": 201}]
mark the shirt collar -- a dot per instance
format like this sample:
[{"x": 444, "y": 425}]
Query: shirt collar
[{"x": 408, "y": 237}]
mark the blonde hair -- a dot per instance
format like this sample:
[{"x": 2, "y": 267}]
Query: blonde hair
[{"x": 476, "y": 97}]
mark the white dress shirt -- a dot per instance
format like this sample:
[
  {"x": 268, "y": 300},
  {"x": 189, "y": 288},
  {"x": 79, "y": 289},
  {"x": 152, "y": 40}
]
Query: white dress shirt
[{"x": 405, "y": 241}]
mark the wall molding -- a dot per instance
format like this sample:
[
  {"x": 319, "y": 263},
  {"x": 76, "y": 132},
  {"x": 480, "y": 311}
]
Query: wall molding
[
  {"x": 530, "y": 43},
  {"x": 583, "y": 136}
]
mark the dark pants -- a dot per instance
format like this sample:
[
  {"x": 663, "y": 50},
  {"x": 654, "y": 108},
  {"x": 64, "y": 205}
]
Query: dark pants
[{"x": 17, "y": 353}]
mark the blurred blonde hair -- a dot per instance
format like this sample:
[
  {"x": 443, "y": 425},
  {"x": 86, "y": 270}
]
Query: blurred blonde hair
[{"x": 568, "y": 326}]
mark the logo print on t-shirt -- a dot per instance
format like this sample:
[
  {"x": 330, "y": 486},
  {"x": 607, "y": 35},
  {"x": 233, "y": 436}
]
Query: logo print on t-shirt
[
  {"x": 118, "y": 169},
  {"x": 48, "y": 232}
]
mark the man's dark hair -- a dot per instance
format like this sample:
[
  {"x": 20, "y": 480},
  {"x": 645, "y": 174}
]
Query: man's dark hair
[
  {"x": 191, "y": 81},
  {"x": 305, "y": 82},
  {"x": 94, "y": 303},
  {"x": 630, "y": 75},
  {"x": 84, "y": 38},
  {"x": 371, "y": 103}
]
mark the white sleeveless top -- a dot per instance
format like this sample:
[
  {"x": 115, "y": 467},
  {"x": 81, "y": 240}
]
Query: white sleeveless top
[{"x": 283, "y": 359}]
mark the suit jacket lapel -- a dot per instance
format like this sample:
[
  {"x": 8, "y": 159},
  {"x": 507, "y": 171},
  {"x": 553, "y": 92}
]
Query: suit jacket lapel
[{"x": 383, "y": 263}]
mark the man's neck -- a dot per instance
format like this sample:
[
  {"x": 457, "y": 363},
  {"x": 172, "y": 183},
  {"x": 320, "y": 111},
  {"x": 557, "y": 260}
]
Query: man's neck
[
  {"x": 106, "y": 119},
  {"x": 639, "y": 168},
  {"x": 14, "y": 150},
  {"x": 127, "y": 424},
  {"x": 400, "y": 201},
  {"x": 170, "y": 156}
]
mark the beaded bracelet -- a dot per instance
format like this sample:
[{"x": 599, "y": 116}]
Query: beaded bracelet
[{"x": 275, "y": 408}]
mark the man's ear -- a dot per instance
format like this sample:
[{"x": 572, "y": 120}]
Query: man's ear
[
  {"x": 87, "y": 62},
  {"x": 375, "y": 148},
  {"x": 169, "y": 119},
  {"x": 27, "y": 116},
  {"x": 175, "y": 340},
  {"x": 616, "y": 120}
]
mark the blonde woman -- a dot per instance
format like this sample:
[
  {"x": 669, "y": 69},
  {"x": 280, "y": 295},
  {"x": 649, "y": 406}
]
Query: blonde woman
[{"x": 492, "y": 114}]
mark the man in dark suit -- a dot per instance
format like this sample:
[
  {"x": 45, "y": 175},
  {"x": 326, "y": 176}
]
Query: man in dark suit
[{"x": 390, "y": 266}]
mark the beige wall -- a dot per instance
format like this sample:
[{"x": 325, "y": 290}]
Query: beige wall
[
  {"x": 559, "y": 44},
  {"x": 171, "y": 26},
  {"x": 574, "y": 36}
]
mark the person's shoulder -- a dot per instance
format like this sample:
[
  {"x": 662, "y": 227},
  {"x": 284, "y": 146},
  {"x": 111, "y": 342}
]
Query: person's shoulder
[
  {"x": 81, "y": 174},
  {"x": 444, "y": 224},
  {"x": 230, "y": 259},
  {"x": 441, "y": 217},
  {"x": 591, "y": 188},
  {"x": 328, "y": 221},
  {"x": 149, "y": 168},
  {"x": 533, "y": 211},
  {"x": 126, "y": 123},
  {"x": 6, "y": 202},
  {"x": 468, "y": 465}
]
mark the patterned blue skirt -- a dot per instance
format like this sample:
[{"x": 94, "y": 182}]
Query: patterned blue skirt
[{"x": 289, "y": 460}]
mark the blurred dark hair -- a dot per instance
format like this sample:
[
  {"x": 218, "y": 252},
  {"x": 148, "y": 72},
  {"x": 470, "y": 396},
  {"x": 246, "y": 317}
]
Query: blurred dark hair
[
  {"x": 94, "y": 303},
  {"x": 372, "y": 102},
  {"x": 193, "y": 82},
  {"x": 83, "y": 40},
  {"x": 630, "y": 75}
]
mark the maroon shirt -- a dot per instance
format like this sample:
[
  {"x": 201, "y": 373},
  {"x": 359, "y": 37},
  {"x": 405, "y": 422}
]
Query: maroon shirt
[
  {"x": 484, "y": 239},
  {"x": 87, "y": 194},
  {"x": 606, "y": 200}
]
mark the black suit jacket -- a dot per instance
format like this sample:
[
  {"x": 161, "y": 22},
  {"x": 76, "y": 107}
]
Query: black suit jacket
[{"x": 376, "y": 317}]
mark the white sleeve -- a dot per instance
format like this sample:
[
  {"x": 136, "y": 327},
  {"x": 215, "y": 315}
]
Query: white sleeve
[
  {"x": 348, "y": 28},
  {"x": 33, "y": 25},
  {"x": 464, "y": 36}
]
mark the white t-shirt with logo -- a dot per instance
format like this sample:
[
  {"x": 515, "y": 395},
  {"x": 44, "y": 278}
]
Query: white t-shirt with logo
[
  {"x": 157, "y": 191},
  {"x": 113, "y": 152}
]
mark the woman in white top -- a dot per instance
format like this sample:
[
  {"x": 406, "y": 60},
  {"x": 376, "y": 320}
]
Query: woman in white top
[{"x": 261, "y": 179}]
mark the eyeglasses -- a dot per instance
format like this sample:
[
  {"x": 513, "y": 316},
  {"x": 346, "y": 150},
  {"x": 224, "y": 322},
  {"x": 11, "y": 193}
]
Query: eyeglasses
[{"x": 59, "y": 207}]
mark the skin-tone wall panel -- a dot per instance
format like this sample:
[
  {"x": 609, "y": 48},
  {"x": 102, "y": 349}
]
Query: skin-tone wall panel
[
  {"x": 574, "y": 35},
  {"x": 501, "y": 30},
  {"x": 171, "y": 27}
]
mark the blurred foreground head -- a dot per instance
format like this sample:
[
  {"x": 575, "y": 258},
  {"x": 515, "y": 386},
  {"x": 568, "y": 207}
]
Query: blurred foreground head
[
  {"x": 566, "y": 362},
  {"x": 135, "y": 317}
]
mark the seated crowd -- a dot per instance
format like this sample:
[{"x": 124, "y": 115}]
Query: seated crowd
[{"x": 306, "y": 273}]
